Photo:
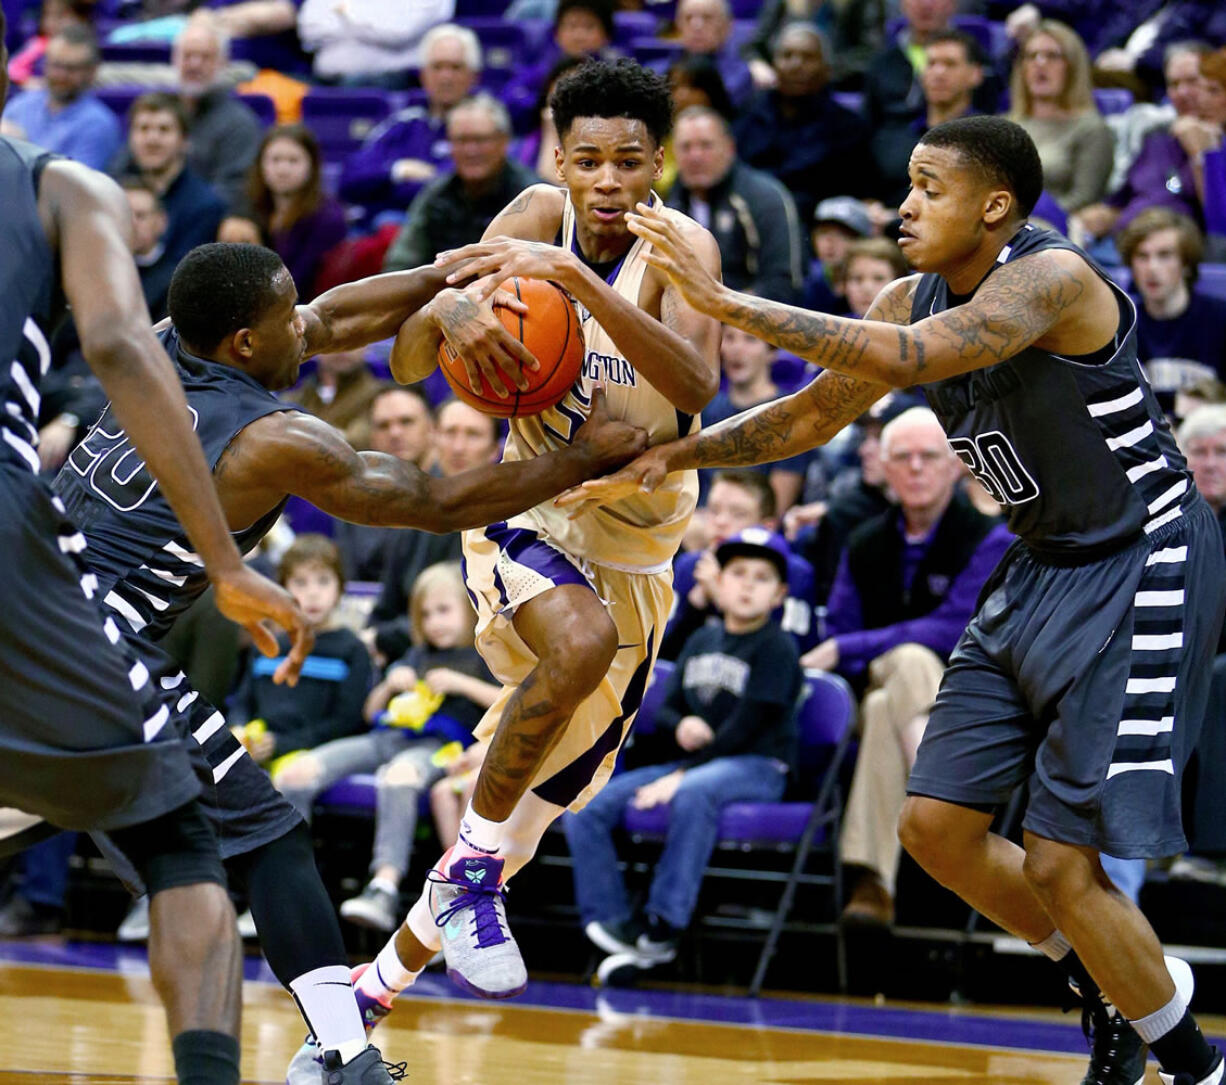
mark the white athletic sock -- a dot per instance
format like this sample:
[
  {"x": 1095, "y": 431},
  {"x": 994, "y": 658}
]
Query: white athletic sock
[
  {"x": 1159, "y": 1023},
  {"x": 325, "y": 997},
  {"x": 478, "y": 835},
  {"x": 387, "y": 975},
  {"x": 1055, "y": 946},
  {"x": 386, "y": 884}
]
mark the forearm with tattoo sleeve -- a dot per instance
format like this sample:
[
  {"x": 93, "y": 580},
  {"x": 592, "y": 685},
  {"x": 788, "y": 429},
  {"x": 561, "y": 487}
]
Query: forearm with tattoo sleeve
[{"x": 1021, "y": 302}]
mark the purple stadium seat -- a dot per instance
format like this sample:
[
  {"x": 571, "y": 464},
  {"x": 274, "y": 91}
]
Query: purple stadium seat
[
  {"x": 849, "y": 99},
  {"x": 824, "y": 722},
  {"x": 341, "y": 117},
  {"x": 505, "y": 44},
  {"x": 263, "y": 107},
  {"x": 628, "y": 25},
  {"x": 119, "y": 99},
  {"x": 650, "y": 50},
  {"x": 479, "y": 9},
  {"x": 1112, "y": 99},
  {"x": 745, "y": 9},
  {"x": 136, "y": 52},
  {"x": 990, "y": 35},
  {"x": 1212, "y": 280}
]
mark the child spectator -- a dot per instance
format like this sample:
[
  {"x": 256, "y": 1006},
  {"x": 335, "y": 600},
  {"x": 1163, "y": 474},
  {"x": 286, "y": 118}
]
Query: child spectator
[
  {"x": 868, "y": 266},
  {"x": 731, "y": 702},
  {"x": 287, "y": 209},
  {"x": 274, "y": 720},
  {"x": 449, "y": 797},
  {"x": 741, "y": 499},
  {"x": 837, "y": 222},
  {"x": 422, "y": 716}
]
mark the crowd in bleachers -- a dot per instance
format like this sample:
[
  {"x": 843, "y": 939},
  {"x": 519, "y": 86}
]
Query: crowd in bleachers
[{"x": 369, "y": 135}]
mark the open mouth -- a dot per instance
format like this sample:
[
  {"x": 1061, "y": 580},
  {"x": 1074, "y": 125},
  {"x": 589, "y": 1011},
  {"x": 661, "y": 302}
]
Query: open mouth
[{"x": 607, "y": 214}]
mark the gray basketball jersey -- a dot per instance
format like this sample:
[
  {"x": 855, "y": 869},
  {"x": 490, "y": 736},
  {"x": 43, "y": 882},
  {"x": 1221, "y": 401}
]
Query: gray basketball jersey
[{"x": 1076, "y": 449}]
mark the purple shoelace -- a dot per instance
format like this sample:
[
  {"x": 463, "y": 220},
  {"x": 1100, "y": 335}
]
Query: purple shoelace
[{"x": 483, "y": 903}]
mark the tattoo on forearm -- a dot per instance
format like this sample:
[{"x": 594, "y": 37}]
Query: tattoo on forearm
[{"x": 520, "y": 203}]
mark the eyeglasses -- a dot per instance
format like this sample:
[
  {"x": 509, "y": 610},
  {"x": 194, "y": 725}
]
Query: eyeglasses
[
  {"x": 927, "y": 457},
  {"x": 1042, "y": 54}
]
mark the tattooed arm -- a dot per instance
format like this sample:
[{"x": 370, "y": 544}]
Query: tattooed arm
[
  {"x": 1053, "y": 299},
  {"x": 771, "y": 431}
]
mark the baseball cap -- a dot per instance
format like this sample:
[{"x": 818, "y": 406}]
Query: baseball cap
[
  {"x": 846, "y": 211},
  {"x": 756, "y": 542}
]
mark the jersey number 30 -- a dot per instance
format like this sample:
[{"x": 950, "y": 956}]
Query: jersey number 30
[
  {"x": 995, "y": 464},
  {"x": 112, "y": 467}
]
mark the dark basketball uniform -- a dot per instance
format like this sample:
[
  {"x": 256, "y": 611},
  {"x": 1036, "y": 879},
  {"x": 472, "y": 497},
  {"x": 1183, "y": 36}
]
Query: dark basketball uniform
[
  {"x": 1086, "y": 669},
  {"x": 80, "y": 741},
  {"x": 147, "y": 576}
]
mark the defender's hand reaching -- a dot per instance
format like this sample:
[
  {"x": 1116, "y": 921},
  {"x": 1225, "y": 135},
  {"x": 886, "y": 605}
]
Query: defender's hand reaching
[
  {"x": 608, "y": 441},
  {"x": 674, "y": 256},
  {"x": 643, "y": 476}
]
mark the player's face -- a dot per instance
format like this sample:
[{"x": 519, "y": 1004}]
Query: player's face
[
  {"x": 400, "y": 426},
  {"x": 315, "y": 589},
  {"x": 444, "y": 618},
  {"x": 1207, "y": 461},
  {"x": 731, "y": 509},
  {"x": 279, "y": 340},
  {"x": 1157, "y": 266},
  {"x": 749, "y": 589},
  {"x": 608, "y": 164},
  {"x": 919, "y": 466},
  {"x": 942, "y": 214},
  {"x": 464, "y": 439}
]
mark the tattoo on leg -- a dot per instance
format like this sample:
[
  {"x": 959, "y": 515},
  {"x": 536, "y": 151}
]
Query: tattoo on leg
[{"x": 530, "y": 725}]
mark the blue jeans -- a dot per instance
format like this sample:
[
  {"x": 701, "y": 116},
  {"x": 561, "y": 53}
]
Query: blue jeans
[
  {"x": 46, "y": 870},
  {"x": 693, "y": 831}
]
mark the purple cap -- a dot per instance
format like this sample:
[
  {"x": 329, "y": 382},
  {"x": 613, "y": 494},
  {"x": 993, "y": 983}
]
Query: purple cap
[{"x": 756, "y": 542}]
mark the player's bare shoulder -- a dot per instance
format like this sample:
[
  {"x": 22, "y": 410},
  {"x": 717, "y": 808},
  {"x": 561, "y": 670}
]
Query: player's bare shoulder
[{"x": 534, "y": 215}]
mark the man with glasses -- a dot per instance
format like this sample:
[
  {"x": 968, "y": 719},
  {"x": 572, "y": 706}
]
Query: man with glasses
[
  {"x": 904, "y": 592},
  {"x": 65, "y": 116}
]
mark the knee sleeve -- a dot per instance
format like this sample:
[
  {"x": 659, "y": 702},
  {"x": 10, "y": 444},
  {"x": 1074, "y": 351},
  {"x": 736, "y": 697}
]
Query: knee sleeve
[{"x": 173, "y": 850}]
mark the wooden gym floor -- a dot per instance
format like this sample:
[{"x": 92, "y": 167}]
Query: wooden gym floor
[{"x": 88, "y": 1016}]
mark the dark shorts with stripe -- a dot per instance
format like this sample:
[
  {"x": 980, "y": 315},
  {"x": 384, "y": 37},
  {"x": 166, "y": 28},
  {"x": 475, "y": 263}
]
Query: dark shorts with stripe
[
  {"x": 79, "y": 743},
  {"x": 1089, "y": 683},
  {"x": 246, "y": 811}
]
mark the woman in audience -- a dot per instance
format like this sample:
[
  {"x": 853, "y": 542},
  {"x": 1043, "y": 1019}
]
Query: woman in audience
[
  {"x": 1052, "y": 99},
  {"x": 287, "y": 208}
]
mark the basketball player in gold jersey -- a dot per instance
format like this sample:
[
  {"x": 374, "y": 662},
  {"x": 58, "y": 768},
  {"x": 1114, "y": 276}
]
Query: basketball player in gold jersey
[{"x": 570, "y": 613}]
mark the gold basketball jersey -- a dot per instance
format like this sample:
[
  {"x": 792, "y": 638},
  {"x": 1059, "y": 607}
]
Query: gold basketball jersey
[{"x": 640, "y": 533}]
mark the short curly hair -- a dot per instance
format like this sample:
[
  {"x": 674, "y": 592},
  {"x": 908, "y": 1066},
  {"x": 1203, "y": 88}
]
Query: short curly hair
[{"x": 621, "y": 88}]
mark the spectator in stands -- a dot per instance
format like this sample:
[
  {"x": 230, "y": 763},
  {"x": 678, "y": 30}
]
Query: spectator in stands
[
  {"x": 1051, "y": 98},
  {"x": 536, "y": 149},
  {"x": 837, "y": 222},
  {"x": 1203, "y": 393},
  {"x": 867, "y": 267},
  {"x": 751, "y": 215},
  {"x": 399, "y": 422},
  {"x": 410, "y": 147},
  {"x": 54, "y": 16},
  {"x": 740, "y": 498},
  {"x": 65, "y": 116},
  {"x": 1137, "y": 35},
  {"x": 463, "y": 438},
  {"x": 798, "y": 132},
  {"x": 731, "y": 703},
  {"x": 953, "y": 70},
  {"x": 692, "y": 81},
  {"x": 903, "y": 594},
  {"x": 1160, "y": 173},
  {"x": 1181, "y": 333},
  {"x": 149, "y": 226},
  {"x": 341, "y": 391},
  {"x": 704, "y": 29},
  {"x": 286, "y": 207},
  {"x": 581, "y": 28},
  {"x": 856, "y": 30},
  {"x": 157, "y": 154},
  {"x": 421, "y": 717},
  {"x": 1204, "y": 141},
  {"x": 368, "y": 44},
  {"x": 455, "y": 209},
  {"x": 223, "y": 133},
  {"x": 273, "y": 720}
]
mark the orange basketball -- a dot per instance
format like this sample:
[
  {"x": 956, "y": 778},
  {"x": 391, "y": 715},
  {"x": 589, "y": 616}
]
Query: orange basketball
[{"x": 550, "y": 330}]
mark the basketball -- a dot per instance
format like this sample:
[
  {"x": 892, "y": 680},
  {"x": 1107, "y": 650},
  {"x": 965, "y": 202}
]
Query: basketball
[{"x": 550, "y": 330}]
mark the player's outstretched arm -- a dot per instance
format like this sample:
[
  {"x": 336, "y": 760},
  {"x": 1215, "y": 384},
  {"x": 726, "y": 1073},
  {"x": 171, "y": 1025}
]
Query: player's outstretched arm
[
  {"x": 1037, "y": 297},
  {"x": 86, "y": 216},
  {"x": 302, "y": 455},
  {"x": 763, "y": 434}
]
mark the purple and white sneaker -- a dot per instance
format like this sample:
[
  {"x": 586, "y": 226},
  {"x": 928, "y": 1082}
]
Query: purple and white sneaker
[{"x": 468, "y": 907}]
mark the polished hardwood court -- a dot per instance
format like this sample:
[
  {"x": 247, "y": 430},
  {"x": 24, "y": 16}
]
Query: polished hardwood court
[{"x": 65, "y": 1025}]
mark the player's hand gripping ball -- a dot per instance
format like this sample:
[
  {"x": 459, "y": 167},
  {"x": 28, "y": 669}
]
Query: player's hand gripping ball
[{"x": 550, "y": 330}]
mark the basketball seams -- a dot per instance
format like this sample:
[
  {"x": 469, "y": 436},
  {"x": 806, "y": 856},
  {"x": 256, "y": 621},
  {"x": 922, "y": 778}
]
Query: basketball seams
[{"x": 566, "y": 306}]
